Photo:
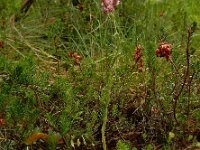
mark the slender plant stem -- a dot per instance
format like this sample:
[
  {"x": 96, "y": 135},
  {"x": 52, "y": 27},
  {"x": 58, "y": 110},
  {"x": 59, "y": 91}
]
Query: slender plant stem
[
  {"x": 105, "y": 118},
  {"x": 189, "y": 93},
  {"x": 187, "y": 72}
]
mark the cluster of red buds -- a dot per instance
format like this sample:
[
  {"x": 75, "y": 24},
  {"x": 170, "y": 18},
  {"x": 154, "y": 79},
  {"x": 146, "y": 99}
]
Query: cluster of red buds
[
  {"x": 164, "y": 50},
  {"x": 76, "y": 56},
  {"x": 109, "y": 5},
  {"x": 137, "y": 56}
]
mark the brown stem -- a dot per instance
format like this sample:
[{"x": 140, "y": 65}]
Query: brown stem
[
  {"x": 187, "y": 72},
  {"x": 23, "y": 10},
  {"x": 177, "y": 72},
  {"x": 26, "y": 5},
  {"x": 189, "y": 93}
]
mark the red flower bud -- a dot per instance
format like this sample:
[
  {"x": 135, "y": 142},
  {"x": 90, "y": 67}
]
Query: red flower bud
[{"x": 164, "y": 50}]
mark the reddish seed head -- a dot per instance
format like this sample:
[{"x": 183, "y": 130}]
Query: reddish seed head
[
  {"x": 137, "y": 56},
  {"x": 70, "y": 54},
  {"x": 164, "y": 50},
  {"x": 77, "y": 58},
  {"x": 2, "y": 122},
  {"x": 138, "y": 53}
]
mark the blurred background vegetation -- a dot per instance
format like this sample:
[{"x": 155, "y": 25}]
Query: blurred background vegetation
[{"x": 68, "y": 78}]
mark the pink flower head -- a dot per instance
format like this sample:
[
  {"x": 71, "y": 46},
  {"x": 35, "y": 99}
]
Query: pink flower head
[{"x": 109, "y": 5}]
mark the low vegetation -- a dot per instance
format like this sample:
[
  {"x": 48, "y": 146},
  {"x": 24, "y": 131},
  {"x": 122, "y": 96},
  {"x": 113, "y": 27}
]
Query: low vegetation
[{"x": 79, "y": 75}]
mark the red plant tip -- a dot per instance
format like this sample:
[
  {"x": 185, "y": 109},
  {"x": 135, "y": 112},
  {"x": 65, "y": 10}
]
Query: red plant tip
[
  {"x": 138, "y": 53},
  {"x": 164, "y": 50},
  {"x": 2, "y": 122},
  {"x": 109, "y": 5},
  {"x": 76, "y": 56},
  {"x": 1, "y": 44},
  {"x": 137, "y": 56},
  {"x": 70, "y": 54}
]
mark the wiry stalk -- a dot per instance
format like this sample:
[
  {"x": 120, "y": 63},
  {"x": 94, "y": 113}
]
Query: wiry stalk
[{"x": 187, "y": 71}]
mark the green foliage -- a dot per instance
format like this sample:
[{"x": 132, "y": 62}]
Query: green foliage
[
  {"x": 122, "y": 145},
  {"x": 68, "y": 69}
]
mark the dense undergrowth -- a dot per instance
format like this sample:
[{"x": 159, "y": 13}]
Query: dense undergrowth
[{"x": 73, "y": 77}]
